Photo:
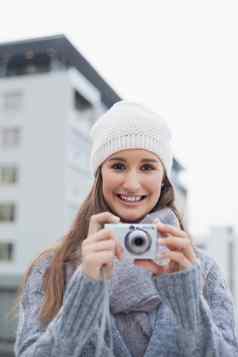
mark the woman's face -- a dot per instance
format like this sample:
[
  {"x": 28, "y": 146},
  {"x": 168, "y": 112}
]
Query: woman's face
[{"x": 132, "y": 183}]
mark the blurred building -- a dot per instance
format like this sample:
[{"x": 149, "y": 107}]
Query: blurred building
[
  {"x": 49, "y": 98},
  {"x": 221, "y": 243}
]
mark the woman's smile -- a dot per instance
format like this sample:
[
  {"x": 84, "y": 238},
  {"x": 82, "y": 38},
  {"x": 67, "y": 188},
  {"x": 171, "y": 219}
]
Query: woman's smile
[
  {"x": 131, "y": 200},
  {"x": 132, "y": 183}
]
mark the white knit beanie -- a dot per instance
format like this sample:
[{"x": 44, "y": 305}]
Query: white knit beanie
[{"x": 129, "y": 125}]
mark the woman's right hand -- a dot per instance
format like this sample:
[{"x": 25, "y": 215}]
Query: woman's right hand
[{"x": 100, "y": 247}]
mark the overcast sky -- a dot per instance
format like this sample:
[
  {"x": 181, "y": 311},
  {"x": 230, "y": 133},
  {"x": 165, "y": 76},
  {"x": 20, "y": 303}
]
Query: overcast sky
[{"x": 177, "y": 57}]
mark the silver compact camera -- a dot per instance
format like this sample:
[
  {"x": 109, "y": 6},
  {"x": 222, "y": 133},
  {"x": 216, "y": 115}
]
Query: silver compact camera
[{"x": 139, "y": 241}]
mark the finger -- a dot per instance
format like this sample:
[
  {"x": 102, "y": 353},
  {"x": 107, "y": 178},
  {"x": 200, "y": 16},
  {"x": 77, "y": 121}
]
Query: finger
[
  {"x": 98, "y": 220},
  {"x": 119, "y": 252},
  {"x": 182, "y": 244},
  {"x": 103, "y": 234},
  {"x": 106, "y": 270},
  {"x": 102, "y": 240},
  {"x": 147, "y": 264},
  {"x": 176, "y": 242},
  {"x": 99, "y": 258},
  {"x": 166, "y": 228},
  {"x": 100, "y": 246},
  {"x": 179, "y": 258}
]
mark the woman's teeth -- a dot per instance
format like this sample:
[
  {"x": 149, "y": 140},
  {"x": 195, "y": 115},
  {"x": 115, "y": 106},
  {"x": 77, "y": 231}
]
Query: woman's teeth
[{"x": 131, "y": 198}]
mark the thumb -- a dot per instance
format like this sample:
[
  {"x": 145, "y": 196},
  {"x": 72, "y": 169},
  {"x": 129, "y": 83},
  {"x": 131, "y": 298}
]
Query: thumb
[
  {"x": 106, "y": 270},
  {"x": 119, "y": 252}
]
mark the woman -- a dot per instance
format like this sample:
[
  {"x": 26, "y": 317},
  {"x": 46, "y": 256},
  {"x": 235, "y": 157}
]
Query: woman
[{"x": 182, "y": 308}]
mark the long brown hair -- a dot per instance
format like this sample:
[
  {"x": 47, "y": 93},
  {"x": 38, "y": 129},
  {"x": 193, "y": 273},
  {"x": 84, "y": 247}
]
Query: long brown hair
[{"x": 67, "y": 251}]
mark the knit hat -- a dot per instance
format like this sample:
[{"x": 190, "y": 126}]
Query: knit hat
[{"x": 129, "y": 125}]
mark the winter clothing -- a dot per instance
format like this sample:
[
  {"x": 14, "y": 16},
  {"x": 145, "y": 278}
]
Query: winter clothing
[
  {"x": 129, "y": 125},
  {"x": 182, "y": 314}
]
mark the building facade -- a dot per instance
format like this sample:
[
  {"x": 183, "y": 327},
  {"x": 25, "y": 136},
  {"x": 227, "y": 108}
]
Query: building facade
[{"x": 49, "y": 98}]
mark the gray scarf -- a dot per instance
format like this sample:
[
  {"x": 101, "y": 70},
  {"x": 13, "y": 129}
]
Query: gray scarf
[{"x": 134, "y": 297}]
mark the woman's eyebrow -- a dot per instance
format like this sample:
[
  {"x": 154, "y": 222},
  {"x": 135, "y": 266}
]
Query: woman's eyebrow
[
  {"x": 143, "y": 160},
  {"x": 117, "y": 158},
  {"x": 150, "y": 160}
]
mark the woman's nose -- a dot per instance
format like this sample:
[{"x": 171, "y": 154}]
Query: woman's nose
[{"x": 131, "y": 182}]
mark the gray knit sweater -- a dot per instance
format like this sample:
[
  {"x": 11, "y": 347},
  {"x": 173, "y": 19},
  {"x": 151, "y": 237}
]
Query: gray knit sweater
[{"x": 195, "y": 317}]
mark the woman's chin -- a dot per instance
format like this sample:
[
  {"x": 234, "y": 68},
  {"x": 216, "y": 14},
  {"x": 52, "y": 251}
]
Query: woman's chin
[
  {"x": 132, "y": 219},
  {"x": 129, "y": 215}
]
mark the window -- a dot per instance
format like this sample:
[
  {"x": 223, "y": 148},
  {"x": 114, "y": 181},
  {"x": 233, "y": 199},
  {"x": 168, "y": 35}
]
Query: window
[
  {"x": 6, "y": 251},
  {"x": 80, "y": 102},
  {"x": 28, "y": 62},
  {"x": 9, "y": 137},
  {"x": 7, "y": 212},
  {"x": 12, "y": 101},
  {"x": 8, "y": 175}
]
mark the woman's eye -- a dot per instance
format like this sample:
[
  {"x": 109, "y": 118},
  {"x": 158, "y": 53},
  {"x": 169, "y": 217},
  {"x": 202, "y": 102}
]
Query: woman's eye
[
  {"x": 147, "y": 167},
  {"x": 118, "y": 166}
]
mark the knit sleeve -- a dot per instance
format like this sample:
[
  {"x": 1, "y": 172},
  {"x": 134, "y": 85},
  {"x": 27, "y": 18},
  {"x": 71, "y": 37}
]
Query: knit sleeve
[
  {"x": 72, "y": 332},
  {"x": 204, "y": 312}
]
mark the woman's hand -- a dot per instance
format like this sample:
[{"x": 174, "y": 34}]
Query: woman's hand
[
  {"x": 100, "y": 247},
  {"x": 180, "y": 253}
]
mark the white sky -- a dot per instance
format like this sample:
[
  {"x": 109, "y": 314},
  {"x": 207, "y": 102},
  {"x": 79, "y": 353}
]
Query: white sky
[{"x": 177, "y": 57}]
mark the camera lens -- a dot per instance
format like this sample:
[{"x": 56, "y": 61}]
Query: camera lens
[{"x": 137, "y": 241}]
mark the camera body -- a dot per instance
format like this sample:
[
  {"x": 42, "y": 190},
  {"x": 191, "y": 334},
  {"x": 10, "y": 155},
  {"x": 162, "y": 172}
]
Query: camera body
[{"x": 139, "y": 241}]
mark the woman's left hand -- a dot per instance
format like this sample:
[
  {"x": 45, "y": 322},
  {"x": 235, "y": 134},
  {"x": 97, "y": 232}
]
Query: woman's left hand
[{"x": 180, "y": 253}]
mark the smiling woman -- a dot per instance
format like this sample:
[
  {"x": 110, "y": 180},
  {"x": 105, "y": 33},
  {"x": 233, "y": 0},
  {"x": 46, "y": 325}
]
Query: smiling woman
[
  {"x": 143, "y": 309},
  {"x": 132, "y": 182}
]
